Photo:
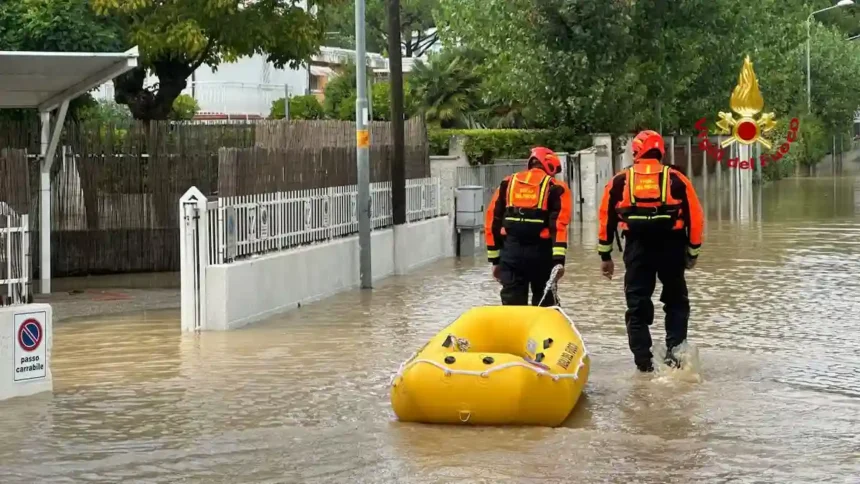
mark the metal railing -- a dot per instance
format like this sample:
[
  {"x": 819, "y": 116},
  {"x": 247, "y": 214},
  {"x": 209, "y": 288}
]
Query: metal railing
[
  {"x": 14, "y": 260},
  {"x": 242, "y": 226}
]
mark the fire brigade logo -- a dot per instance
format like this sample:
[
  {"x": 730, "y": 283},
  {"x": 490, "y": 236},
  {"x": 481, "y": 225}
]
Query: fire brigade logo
[{"x": 746, "y": 102}]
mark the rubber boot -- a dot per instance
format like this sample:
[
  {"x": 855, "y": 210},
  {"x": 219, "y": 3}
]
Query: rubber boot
[{"x": 671, "y": 360}]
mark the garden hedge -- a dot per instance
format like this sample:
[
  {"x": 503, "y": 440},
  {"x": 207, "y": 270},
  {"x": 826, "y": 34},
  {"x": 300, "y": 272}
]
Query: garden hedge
[{"x": 482, "y": 146}]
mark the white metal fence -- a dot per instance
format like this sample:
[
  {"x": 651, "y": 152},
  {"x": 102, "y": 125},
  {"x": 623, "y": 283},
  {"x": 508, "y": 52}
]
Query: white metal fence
[
  {"x": 243, "y": 226},
  {"x": 14, "y": 256}
]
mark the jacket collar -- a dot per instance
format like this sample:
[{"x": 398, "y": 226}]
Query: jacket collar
[{"x": 648, "y": 165}]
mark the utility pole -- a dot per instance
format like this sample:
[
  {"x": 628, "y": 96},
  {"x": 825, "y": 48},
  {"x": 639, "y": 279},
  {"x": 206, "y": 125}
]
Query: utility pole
[
  {"x": 362, "y": 138},
  {"x": 287, "y": 102},
  {"x": 395, "y": 73}
]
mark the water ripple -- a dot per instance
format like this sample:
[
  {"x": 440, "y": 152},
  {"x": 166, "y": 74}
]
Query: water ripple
[{"x": 304, "y": 397}]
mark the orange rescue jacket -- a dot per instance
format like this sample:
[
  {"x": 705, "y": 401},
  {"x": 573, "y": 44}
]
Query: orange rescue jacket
[
  {"x": 649, "y": 197},
  {"x": 529, "y": 207}
]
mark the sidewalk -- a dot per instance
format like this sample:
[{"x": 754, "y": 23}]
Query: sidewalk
[{"x": 100, "y": 295}]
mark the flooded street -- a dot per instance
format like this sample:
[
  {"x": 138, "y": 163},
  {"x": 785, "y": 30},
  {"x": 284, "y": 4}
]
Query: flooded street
[{"x": 304, "y": 397}]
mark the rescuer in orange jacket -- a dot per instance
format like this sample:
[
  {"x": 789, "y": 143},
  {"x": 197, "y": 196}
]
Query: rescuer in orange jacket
[
  {"x": 661, "y": 220},
  {"x": 526, "y": 229}
]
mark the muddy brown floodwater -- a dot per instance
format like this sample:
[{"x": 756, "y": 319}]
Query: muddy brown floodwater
[{"x": 304, "y": 397}]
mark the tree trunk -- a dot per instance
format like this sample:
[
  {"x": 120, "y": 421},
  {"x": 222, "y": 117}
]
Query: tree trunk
[{"x": 145, "y": 103}]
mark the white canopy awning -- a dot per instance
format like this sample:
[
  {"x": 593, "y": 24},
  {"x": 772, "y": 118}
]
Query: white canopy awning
[
  {"x": 322, "y": 71},
  {"x": 47, "y": 81},
  {"x": 43, "y": 80}
]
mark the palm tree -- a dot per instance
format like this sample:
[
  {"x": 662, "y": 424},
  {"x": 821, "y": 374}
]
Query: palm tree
[{"x": 447, "y": 90}]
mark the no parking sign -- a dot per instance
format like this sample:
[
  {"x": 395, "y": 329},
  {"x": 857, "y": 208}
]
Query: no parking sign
[{"x": 30, "y": 355}]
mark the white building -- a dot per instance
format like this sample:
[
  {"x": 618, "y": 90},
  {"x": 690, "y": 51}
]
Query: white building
[{"x": 247, "y": 87}]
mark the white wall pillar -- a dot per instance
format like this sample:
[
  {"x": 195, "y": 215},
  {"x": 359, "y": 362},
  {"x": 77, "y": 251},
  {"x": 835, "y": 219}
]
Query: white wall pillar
[
  {"x": 193, "y": 258},
  {"x": 590, "y": 193},
  {"x": 45, "y": 208}
]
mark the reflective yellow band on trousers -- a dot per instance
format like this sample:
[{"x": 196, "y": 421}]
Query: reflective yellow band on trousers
[
  {"x": 559, "y": 251},
  {"x": 604, "y": 247},
  {"x": 648, "y": 217},
  {"x": 492, "y": 254},
  {"x": 693, "y": 251},
  {"x": 529, "y": 220}
]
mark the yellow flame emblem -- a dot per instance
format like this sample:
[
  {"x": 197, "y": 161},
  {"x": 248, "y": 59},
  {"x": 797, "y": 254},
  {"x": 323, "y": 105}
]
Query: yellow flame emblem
[{"x": 746, "y": 101}]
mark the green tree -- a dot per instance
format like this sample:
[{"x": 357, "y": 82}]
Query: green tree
[
  {"x": 571, "y": 59},
  {"x": 835, "y": 71},
  {"x": 57, "y": 25},
  {"x": 178, "y": 36},
  {"x": 417, "y": 26},
  {"x": 623, "y": 66}
]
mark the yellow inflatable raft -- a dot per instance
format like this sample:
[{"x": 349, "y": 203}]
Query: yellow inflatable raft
[{"x": 495, "y": 365}]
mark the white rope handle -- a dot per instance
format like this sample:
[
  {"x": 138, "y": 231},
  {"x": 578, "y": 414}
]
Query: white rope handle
[{"x": 552, "y": 285}]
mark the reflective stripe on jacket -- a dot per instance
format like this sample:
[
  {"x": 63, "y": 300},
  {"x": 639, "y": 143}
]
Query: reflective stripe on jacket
[
  {"x": 649, "y": 197},
  {"x": 535, "y": 208}
]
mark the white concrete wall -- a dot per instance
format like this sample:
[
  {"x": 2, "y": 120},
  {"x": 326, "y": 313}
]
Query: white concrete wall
[
  {"x": 244, "y": 292},
  {"x": 11, "y": 353}
]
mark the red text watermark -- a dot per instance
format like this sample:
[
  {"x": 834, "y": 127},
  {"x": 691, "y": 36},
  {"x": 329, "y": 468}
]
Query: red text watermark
[{"x": 718, "y": 153}]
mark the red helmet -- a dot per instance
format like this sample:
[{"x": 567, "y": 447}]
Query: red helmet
[
  {"x": 547, "y": 158},
  {"x": 645, "y": 141}
]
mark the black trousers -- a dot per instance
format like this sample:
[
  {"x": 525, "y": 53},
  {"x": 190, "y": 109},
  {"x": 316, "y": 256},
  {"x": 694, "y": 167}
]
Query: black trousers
[
  {"x": 525, "y": 266},
  {"x": 647, "y": 259}
]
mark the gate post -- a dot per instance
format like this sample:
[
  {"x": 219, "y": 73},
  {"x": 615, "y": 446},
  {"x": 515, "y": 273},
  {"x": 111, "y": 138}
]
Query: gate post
[{"x": 194, "y": 257}]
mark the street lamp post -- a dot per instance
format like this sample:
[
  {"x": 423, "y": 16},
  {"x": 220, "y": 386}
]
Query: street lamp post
[{"x": 841, "y": 3}]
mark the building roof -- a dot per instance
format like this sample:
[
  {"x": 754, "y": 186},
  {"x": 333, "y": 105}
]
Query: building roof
[{"x": 43, "y": 80}]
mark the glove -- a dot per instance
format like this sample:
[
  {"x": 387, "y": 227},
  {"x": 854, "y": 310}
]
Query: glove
[{"x": 690, "y": 262}]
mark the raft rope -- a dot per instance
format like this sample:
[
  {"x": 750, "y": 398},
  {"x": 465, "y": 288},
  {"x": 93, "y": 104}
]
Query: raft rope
[
  {"x": 484, "y": 374},
  {"x": 552, "y": 286}
]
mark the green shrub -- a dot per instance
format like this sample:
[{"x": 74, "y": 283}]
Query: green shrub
[
  {"x": 301, "y": 107},
  {"x": 184, "y": 108},
  {"x": 346, "y": 108},
  {"x": 338, "y": 90},
  {"x": 382, "y": 101},
  {"x": 482, "y": 146}
]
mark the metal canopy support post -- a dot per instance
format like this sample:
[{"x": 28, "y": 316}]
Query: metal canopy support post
[{"x": 50, "y": 139}]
